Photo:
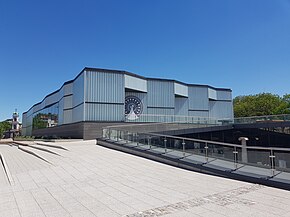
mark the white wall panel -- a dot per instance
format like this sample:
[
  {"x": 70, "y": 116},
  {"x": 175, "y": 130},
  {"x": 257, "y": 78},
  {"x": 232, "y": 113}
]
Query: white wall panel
[
  {"x": 212, "y": 94},
  {"x": 180, "y": 89},
  {"x": 135, "y": 83}
]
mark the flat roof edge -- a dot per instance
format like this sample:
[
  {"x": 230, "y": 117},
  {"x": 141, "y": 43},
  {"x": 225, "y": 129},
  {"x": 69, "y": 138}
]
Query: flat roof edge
[{"x": 125, "y": 73}]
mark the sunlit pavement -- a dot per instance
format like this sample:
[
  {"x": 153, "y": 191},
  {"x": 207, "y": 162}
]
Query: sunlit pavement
[{"x": 89, "y": 180}]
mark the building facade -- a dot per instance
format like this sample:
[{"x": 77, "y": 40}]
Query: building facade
[{"x": 98, "y": 97}]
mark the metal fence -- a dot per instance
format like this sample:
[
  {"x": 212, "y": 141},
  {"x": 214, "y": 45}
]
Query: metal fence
[{"x": 271, "y": 158}]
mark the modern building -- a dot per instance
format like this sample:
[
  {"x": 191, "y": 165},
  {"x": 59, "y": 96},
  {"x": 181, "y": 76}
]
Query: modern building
[{"x": 102, "y": 97}]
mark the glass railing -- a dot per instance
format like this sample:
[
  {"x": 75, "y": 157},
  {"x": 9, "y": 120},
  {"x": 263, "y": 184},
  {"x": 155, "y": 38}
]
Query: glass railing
[
  {"x": 262, "y": 119},
  {"x": 156, "y": 127},
  {"x": 159, "y": 118},
  {"x": 151, "y": 118},
  {"x": 252, "y": 159}
]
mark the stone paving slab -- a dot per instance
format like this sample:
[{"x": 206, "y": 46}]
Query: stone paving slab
[{"x": 89, "y": 180}]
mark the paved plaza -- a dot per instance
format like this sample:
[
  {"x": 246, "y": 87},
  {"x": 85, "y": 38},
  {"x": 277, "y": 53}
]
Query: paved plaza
[{"x": 83, "y": 179}]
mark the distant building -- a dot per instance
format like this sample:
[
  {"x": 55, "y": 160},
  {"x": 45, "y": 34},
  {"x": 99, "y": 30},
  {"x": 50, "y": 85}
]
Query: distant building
[
  {"x": 99, "y": 97},
  {"x": 15, "y": 126}
]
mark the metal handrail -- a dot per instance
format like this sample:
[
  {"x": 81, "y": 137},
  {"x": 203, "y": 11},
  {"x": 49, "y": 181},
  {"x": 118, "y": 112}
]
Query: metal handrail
[
  {"x": 221, "y": 143},
  {"x": 217, "y": 143}
]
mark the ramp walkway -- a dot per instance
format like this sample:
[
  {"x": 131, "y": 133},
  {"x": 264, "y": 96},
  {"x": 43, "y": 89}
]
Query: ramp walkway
[{"x": 264, "y": 165}]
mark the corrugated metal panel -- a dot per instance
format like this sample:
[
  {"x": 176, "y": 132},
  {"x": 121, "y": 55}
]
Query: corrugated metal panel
[
  {"x": 212, "y": 94},
  {"x": 160, "y": 111},
  {"x": 68, "y": 88},
  {"x": 224, "y": 95},
  {"x": 68, "y": 102},
  {"x": 60, "y": 111},
  {"x": 180, "y": 89},
  {"x": 104, "y": 112},
  {"x": 134, "y": 83},
  {"x": 29, "y": 120},
  {"x": 24, "y": 122},
  {"x": 198, "y": 98},
  {"x": 142, "y": 97},
  {"x": 181, "y": 106},
  {"x": 37, "y": 108},
  {"x": 30, "y": 112},
  {"x": 105, "y": 87},
  {"x": 42, "y": 105},
  {"x": 160, "y": 93},
  {"x": 61, "y": 93},
  {"x": 221, "y": 109},
  {"x": 29, "y": 131},
  {"x": 24, "y": 131},
  {"x": 78, "y": 90},
  {"x": 67, "y": 116},
  {"x": 201, "y": 114},
  {"x": 78, "y": 113},
  {"x": 52, "y": 99}
]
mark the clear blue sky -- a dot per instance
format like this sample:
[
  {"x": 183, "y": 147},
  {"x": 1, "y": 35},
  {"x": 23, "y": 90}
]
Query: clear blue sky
[{"x": 239, "y": 44}]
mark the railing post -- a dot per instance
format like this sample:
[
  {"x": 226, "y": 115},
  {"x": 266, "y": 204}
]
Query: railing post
[
  {"x": 183, "y": 147},
  {"x": 243, "y": 141},
  {"x": 235, "y": 157},
  {"x": 149, "y": 143},
  {"x": 272, "y": 162},
  {"x": 109, "y": 133},
  {"x": 165, "y": 147},
  {"x": 127, "y": 139},
  {"x": 206, "y": 152},
  {"x": 118, "y": 132}
]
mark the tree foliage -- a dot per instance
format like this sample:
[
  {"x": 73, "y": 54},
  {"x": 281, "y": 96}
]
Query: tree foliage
[
  {"x": 4, "y": 126},
  {"x": 261, "y": 104}
]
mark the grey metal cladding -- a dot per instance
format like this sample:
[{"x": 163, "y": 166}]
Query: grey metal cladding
[
  {"x": 221, "y": 109},
  {"x": 198, "y": 98},
  {"x": 181, "y": 106},
  {"x": 201, "y": 114},
  {"x": 68, "y": 88},
  {"x": 104, "y": 112},
  {"x": 78, "y": 113},
  {"x": 104, "y": 87},
  {"x": 67, "y": 116},
  {"x": 78, "y": 90},
  {"x": 68, "y": 102},
  {"x": 60, "y": 111},
  {"x": 160, "y": 93},
  {"x": 224, "y": 95},
  {"x": 161, "y": 111}
]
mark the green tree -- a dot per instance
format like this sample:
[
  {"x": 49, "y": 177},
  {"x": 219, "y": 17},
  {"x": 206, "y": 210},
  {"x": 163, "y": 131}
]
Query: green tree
[
  {"x": 261, "y": 104},
  {"x": 4, "y": 126}
]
